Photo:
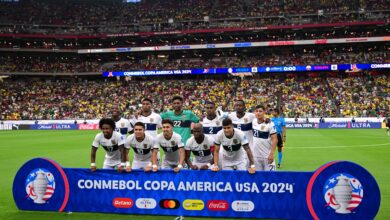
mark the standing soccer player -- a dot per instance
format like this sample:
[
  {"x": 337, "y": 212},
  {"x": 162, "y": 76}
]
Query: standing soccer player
[
  {"x": 182, "y": 119},
  {"x": 122, "y": 125},
  {"x": 201, "y": 146},
  {"x": 142, "y": 145},
  {"x": 242, "y": 120},
  {"x": 151, "y": 120},
  {"x": 280, "y": 125},
  {"x": 234, "y": 144},
  {"x": 173, "y": 147},
  {"x": 111, "y": 141},
  {"x": 264, "y": 141},
  {"x": 212, "y": 125}
]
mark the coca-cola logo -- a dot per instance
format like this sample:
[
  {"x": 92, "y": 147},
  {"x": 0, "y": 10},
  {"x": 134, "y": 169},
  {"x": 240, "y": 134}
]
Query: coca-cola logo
[
  {"x": 124, "y": 203},
  {"x": 217, "y": 205},
  {"x": 88, "y": 126}
]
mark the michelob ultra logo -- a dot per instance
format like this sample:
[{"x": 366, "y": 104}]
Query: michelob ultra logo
[
  {"x": 146, "y": 203},
  {"x": 169, "y": 204},
  {"x": 193, "y": 204}
]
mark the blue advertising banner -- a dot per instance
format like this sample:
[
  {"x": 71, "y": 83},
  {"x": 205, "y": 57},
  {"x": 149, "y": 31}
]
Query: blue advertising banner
[
  {"x": 337, "y": 190},
  {"x": 54, "y": 127},
  {"x": 263, "y": 69},
  {"x": 301, "y": 125}
]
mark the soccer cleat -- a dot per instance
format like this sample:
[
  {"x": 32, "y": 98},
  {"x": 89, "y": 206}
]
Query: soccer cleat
[{"x": 279, "y": 166}]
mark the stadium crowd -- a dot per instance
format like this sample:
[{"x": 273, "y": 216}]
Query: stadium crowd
[
  {"x": 124, "y": 62},
  {"x": 89, "y": 17},
  {"x": 362, "y": 94}
]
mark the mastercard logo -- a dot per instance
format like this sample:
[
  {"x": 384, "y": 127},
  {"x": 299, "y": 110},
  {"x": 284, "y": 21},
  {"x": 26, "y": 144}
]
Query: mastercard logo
[{"x": 169, "y": 204}]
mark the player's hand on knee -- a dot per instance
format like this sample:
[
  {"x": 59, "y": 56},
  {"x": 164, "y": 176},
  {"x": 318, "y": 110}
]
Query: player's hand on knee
[
  {"x": 215, "y": 169},
  {"x": 270, "y": 158},
  {"x": 154, "y": 168},
  {"x": 148, "y": 168},
  {"x": 176, "y": 169},
  {"x": 93, "y": 168},
  {"x": 252, "y": 170},
  {"x": 128, "y": 169},
  {"x": 120, "y": 169}
]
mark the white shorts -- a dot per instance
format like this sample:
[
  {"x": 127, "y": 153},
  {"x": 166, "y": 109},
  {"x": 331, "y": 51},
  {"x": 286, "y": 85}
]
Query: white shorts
[
  {"x": 168, "y": 165},
  {"x": 240, "y": 165},
  {"x": 139, "y": 164},
  {"x": 110, "y": 166},
  {"x": 263, "y": 165}
]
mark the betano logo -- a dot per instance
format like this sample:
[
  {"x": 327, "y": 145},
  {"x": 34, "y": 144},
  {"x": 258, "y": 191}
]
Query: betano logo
[
  {"x": 169, "y": 204},
  {"x": 217, "y": 205},
  {"x": 122, "y": 203},
  {"x": 146, "y": 203},
  {"x": 193, "y": 204},
  {"x": 243, "y": 206}
]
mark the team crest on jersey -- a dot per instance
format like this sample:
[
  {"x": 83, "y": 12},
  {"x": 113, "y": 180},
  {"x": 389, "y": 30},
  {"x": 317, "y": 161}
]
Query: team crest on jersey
[
  {"x": 112, "y": 141},
  {"x": 245, "y": 120},
  {"x": 122, "y": 124},
  {"x": 205, "y": 146},
  {"x": 183, "y": 117},
  {"x": 145, "y": 146},
  {"x": 235, "y": 141},
  {"x": 151, "y": 120},
  {"x": 173, "y": 142},
  {"x": 262, "y": 127},
  {"x": 217, "y": 123}
]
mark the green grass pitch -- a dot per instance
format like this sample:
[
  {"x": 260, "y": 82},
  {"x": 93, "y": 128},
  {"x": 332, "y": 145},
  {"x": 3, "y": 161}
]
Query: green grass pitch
[{"x": 306, "y": 150}]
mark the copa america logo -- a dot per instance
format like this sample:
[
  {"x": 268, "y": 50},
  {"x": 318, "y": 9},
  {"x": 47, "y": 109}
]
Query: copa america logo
[
  {"x": 40, "y": 185},
  {"x": 343, "y": 193}
]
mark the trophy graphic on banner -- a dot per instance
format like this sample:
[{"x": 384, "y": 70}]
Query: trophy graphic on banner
[
  {"x": 40, "y": 185},
  {"x": 343, "y": 194}
]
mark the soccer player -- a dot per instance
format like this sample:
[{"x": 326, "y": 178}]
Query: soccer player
[
  {"x": 201, "y": 146},
  {"x": 111, "y": 141},
  {"x": 212, "y": 125},
  {"x": 173, "y": 147},
  {"x": 264, "y": 141},
  {"x": 280, "y": 125},
  {"x": 142, "y": 145},
  {"x": 122, "y": 125},
  {"x": 234, "y": 144},
  {"x": 182, "y": 119},
  {"x": 242, "y": 120},
  {"x": 151, "y": 120},
  {"x": 387, "y": 122}
]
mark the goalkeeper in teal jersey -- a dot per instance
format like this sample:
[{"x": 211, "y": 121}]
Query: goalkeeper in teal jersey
[{"x": 182, "y": 119}]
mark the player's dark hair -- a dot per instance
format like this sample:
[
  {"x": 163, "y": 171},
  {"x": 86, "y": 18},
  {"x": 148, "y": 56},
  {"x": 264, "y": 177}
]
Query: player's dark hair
[
  {"x": 210, "y": 103},
  {"x": 227, "y": 122},
  {"x": 260, "y": 106},
  {"x": 167, "y": 121},
  {"x": 141, "y": 124},
  {"x": 277, "y": 110},
  {"x": 107, "y": 121},
  {"x": 148, "y": 100},
  {"x": 177, "y": 98}
]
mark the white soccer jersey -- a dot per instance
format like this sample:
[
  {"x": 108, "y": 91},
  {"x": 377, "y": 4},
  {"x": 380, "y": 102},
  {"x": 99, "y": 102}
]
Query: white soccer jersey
[
  {"x": 123, "y": 126},
  {"x": 143, "y": 149},
  {"x": 212, "y": 127},
  {"x": 170, "y": 147},
  {"x": 111, "y": 146},
  {"x": 152, "y": 123},
  {"x": 202, "y": 151},
  {"x": 262, "y": 144},
  {"x": 244, "y": 124},
  {"x": 233, "y": 152}
]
